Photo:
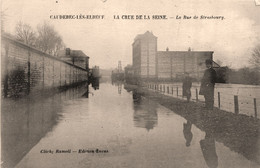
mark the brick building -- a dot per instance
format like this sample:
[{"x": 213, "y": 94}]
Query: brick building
[
  {"x": 173, "y": 64},
  {"x": 148, "y": 63}
]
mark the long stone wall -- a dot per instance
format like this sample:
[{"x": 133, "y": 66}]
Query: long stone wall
[{"x": 26, "y": 70}]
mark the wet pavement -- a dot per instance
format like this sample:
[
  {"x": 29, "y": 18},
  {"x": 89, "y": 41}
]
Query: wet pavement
[{"x": 113, "y": 127}]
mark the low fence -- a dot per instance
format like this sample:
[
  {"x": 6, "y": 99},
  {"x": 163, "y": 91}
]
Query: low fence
[
  {"x": 236, "y": 99},
  {"x": 26, "y": 70}
]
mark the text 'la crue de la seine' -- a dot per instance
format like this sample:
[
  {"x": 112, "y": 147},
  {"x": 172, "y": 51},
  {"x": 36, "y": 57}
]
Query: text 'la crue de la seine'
[
  {"x": 165, "y": 17},
  {"x": 139, "y": 17}
]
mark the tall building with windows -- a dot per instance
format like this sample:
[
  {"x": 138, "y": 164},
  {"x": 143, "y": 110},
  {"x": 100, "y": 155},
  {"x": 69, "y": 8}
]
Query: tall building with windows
[
  {"x": 144, "y": 55},
  {"x": 148, "y": 63}
]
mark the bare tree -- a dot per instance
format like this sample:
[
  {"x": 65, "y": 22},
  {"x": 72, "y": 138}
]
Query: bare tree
[
  {"x": 25, "y": 33},
  {"x": 59, "y": 45},
  {"x": 255, "y": 58},
  {"x": 48, "y": 40}
]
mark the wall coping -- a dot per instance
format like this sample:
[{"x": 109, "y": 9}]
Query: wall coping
[{"x": 5, "y": 37}]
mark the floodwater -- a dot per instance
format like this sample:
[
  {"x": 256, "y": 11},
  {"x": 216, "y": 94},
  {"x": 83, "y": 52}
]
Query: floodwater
[
  {"x": 107, "y": 128},
  {"x": 224, "y": 96}
]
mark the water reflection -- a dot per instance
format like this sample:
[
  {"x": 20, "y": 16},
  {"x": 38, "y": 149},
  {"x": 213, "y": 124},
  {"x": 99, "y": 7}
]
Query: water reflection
[
  {"x": 239, "y": 133},
  {"x": 25, "y": 121},
  {"x": 136, "y": 97},
  {"x": 187, "y": 132},
  {"x": 208, "y": 149},
  {"x": 145, "y": 112},
  {"x": 127, "y": 88},
  {"x": 95, "y": 83},
  {"x": 118, "y": 84},
  {"x": 86, "y": 94},
  {"x": 116, "y": 123}
]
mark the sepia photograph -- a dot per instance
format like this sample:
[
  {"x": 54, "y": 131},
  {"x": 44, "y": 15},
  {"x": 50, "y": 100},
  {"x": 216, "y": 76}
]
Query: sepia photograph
[{"x": 130, "y": 84}]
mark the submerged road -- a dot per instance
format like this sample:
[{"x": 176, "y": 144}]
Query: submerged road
[{"x": 109, "y": 128}]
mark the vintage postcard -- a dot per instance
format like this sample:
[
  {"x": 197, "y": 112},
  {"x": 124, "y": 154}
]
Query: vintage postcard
[{"x": 130, "y": 84}]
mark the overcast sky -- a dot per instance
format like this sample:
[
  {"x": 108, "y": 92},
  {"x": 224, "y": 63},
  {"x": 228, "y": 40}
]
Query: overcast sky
[{"x": 107, "y": 41}]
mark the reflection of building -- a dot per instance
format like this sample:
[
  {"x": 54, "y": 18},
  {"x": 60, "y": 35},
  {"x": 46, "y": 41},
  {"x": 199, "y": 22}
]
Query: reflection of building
[
  {"x": 165, "y": 65},
  {"x": 86, "y": 94},
  {"x": 76, "y": 57},
  {"x": 95, "y": 83},
  {"x": 145, "y": 112},
  {"x": 118, "y": 73},
  {"x": 119, "y": 84},
  {"x": 129, "y": 74}
]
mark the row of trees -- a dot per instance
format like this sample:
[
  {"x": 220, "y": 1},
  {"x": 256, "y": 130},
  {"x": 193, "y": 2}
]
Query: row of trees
[
  {"x": 246, "y": 75},
  {"x": 45, "y": 38}
]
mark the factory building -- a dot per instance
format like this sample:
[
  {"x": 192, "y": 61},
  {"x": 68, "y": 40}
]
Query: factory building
[
  {"x": 148, "y": 63},
  {"x": 144, "y": 55},
  {"x": 173, "y": 64}
]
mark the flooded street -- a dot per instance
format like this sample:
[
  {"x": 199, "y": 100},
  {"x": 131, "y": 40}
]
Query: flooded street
[{"x": 109, "y": 127}]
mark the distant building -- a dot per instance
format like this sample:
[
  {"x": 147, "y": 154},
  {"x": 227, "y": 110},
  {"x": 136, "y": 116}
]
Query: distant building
[
  {"x": 144, "y": 55},
  {"x": 148, "y": 63},
  {"x": 76, "y": 57},
  {"x": 118, "y": 73},
  {"x": 95, "y": 72},
  {"x": 173, "y": 64}
]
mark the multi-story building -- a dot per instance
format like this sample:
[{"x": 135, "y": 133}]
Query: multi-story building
[
  {"x": 173, "y": 64},
  {"x": 144, "y": 55},
  {"x": 148, "y": 63}
]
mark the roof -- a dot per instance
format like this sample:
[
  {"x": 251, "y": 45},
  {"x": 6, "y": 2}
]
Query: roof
[
  {"x": 173, "y": 52},
  {"x": 77, "y": 53},
  {"x": 146, "y": 34},
  {"x": 73, "y": 53}
]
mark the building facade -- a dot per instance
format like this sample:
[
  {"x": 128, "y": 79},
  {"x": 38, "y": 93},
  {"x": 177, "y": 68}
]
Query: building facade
[
  {"x": 144, "y": 55},
  {"x": 148, "y": 63},
  {"x": 173, "y": 64}
]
